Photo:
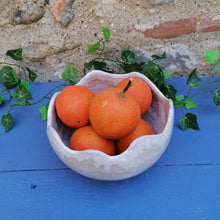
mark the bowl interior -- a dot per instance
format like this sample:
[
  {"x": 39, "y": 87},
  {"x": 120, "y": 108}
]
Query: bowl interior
[{"x": 156, "y": 115}]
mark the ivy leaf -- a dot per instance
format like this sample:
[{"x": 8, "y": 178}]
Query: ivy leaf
[
  {"x": 93, "y": 47},
  {"x": 193, "y": 80},
  {"x": 19, "y": 104},
  {"x": 126, "y": 67},
  {"x": 89, "y": 65},
  {"x": 7, "y": 121},
  {"x": 32, "y": 76},
  {"x": 69, "y": 74},
  {"x": 1, "y": 99},
  {"x": 15, "y": 54},
  {"x": 99, "y": 65},
  {"x": 190, "y": 104},
  {"x": 26, "y": 84},
  {"x": 21, "y": 94},
  {"x": 128, "y": 56},
  {"x": 166, "y": 74},
  {"x": 106, "y": 33},
  {"x": 43, "y": 110},
  {"x": 169, "y": 91},
  {"x": 157, "y": 57},
  {"x": 216, "y": 97},
  {"x": 189, "y": 121},
  {"x": 212, "y": 56},
  {"x": 179, "y": 101},
  {"x": 8, "y": 77},
  {"x": 132, "y": 67},
  {"x": 150, "y": 68}
]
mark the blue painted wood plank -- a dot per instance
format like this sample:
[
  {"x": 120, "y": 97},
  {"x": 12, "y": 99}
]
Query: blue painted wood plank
[
  {"x": 163, "y": 192},
  {"x": 26, "y": 145}
]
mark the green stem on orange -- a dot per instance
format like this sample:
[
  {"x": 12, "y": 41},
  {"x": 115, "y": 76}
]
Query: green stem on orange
[{"x": 122, "y": 94}]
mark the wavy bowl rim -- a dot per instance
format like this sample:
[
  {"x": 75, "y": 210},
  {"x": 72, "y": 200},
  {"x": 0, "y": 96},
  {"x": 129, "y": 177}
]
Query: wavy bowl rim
[{"x": 91, "y": 153}]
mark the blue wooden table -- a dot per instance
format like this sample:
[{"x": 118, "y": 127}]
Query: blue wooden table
[{"x": 183, "y": 184}]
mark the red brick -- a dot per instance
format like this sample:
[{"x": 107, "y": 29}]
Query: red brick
[
  {"x": 208, "y": 24},
  {"x": 175, "y": 28}
]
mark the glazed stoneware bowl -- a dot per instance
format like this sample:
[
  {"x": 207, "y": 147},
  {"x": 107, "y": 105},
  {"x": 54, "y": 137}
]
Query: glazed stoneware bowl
[{"x": 142, "y": 153}]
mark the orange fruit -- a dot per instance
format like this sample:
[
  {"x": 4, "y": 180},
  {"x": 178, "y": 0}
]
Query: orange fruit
[
  {"x": 86, "y": 138},
  {"x": 72, "y": 105},
  {"x": 143, "y": 128},
  {"x": 140, "y": 90},
  {"x": 114, "y": 113}
]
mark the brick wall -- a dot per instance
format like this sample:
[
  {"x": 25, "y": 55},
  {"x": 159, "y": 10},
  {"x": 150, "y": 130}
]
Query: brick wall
[{"x": 53, "y": 32}]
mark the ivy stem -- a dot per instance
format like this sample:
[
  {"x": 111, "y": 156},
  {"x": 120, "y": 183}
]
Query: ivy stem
[
  {"x": 49, "y": 93},
  {"x": 209, "y": 90},
  {"x": 4, "y": 92},
  {"x": 213, "y": 67},
  {"x": 182, "y": 110},
  {"x": 203, "y": 88},
  {"x": 207, "y": 84},
  {"x": 9, "y": 101},
  {"x": 34, "y": 103},
  {"x": 14, "y": 64},
  {"x": 103, "y": 48},
  {"x": 190, "y": 88}
]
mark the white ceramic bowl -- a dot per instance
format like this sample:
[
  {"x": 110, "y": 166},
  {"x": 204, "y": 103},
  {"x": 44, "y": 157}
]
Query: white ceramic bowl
[{"x": 141, "y": 154}]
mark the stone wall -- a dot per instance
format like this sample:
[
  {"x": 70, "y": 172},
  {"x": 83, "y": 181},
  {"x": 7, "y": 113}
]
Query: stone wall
[{"x": 54, "y": 32}]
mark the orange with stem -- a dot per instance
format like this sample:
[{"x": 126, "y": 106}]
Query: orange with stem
[{"x": 114, "y": 113}]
